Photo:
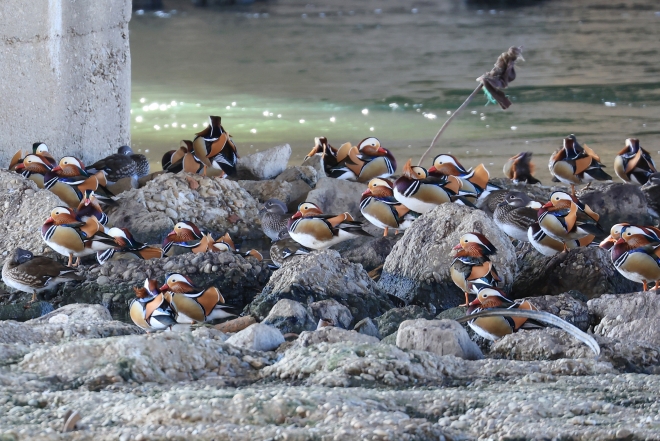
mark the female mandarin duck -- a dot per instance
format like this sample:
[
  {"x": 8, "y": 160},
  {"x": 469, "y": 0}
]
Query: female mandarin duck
[
  {"x": 633, "y": 163},
  {"x": 34, "y": 168},
  {"x": 274, "y": 218},
  {"x": 123, "y": 164},
  {"x": 185, "y": 234},
  {"x": 565, "y": 218},
  {"x": 364, "y": 162},
  {"x": 191, "y": 305},
  {"x": 313, "y": 229},
  {"x": 475, "y": 180},
  {"x": 379, "y": 207},
  {"x": 515, "y": 214},
  {"x": 494, "y": 328},
  {"x": 575, "y": 164},
  {"x": 639, "y": 264},
  {"x": 549, "y": 246},
  {"x": 69, "y": 237},
  {"x": 472, "y": 264},
  {"x": 150, "y": 311},
  {"x": 128, "y": 247},
  {"x": 520, "y": 168},
  {"x": 420, "y": 194},
  {"x": 215, "y": 148}
]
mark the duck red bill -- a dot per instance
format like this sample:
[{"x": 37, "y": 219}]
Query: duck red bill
[{"x": 457, "y": 247}]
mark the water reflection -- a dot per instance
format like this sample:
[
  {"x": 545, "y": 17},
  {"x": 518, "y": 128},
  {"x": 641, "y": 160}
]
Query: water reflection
[{"x": 289, "y": 71}]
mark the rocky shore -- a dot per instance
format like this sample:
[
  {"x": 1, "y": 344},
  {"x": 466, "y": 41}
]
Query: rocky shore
[{"x": 392, "y": 365}]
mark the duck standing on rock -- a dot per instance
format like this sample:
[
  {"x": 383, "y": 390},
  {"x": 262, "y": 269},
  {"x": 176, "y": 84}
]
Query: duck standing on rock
[
  {"x": 549, "y": 246},
  {"x": 565, "y": 218},
  {"x": 379, "y": 207},
  {"x": 640, "y": 264},
  {"x": 185, "y": 234},
  {"x": 634, "y": 164},
  {"x": 34, "y": 274},
  {"x": 575, "y": 164},
  {"x": 123, "y": 164},
  {"x": 191, "y": 305},
  {"x": 313, "y": 229},
  {"x": 364, "y": 162},
  {"x": 149, "y": 310},
  {"x": 68, "y": 180},
  {"x": 274, "y": 218},
  {"x": 215, "y": 148},
  {"x": 474, "y": 181},
  {"x": 420, "y": 194},
  {"x": 516, "y": 214},
  {"x": 520, "y": 168},
  {"x": 472, "y": 265}
]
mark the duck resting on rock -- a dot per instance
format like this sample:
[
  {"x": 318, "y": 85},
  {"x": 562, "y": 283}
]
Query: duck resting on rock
[{"x": 315, "y": 230}]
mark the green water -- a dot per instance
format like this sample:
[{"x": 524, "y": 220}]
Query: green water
[{"x": 287, "y": 71}]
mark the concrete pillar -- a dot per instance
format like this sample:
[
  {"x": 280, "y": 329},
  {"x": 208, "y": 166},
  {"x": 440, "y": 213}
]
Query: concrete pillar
[{"x": 65, "y": 76}]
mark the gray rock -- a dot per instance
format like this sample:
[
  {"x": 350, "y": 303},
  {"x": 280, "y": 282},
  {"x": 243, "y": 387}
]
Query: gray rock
[
  {"x": 330, "y": 334},
  {"x": 146, "y": 226},
  {"x": 337, "y": 196},
  {"x": 417, "y": 269},
  {"x": 268, "y": 189},
  {"x": 652, "y": 193},
  {"x": 617, "y": 202},
  {"x": 389, "y": 322},
  {"x": 297, "y": 173},
  {"x": 372, "y": 252},
  {"x": 332, "y": 309},
  {"x": 266, "y": 164},
  {"x": 123, "y": 185},
  {"x": 290, "y": 317},
  {"x": 366, "y": 326},
  {"x": 628, "y": 317},
  {"x": 441, "y": 337},
  {"x": 322, "y": 275},
  {"x": 570, "y": 306},
  {"x": 258, "y": 337},
  {"x": 587, "y": 270},
  {"x": 316, "y": 163}
]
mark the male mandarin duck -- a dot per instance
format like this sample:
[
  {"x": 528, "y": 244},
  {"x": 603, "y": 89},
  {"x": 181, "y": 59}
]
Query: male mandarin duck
[
  {"x": 475, "y": 180},
  {"x": 639, "y": 264},
  {"x": 150, "y": 311},
  {"x": 615, "y": 234},
  {"x": 69, "y": 237},
  {"x": 215, "y": 148},
  {"x": 68, "y": 180},
  {"x": 274, "y": 218},
  {"x": 549, "y": 246},
  {"x": 515, "y": 214},
  {"x": 379, "y": 207},
  {"x": 363, "y": 162},
  {"x": 420, "y": 194},
  {"x": 471, "y": 263},
  {"x": 633, "y": 163},
  {"x": 185, "y": 234},
  {"x": 639, "y": 236},
  {"x": 128, "y": 247},
  {"x": 576, "y": 164},
  {"x": 565, "y": 218},
  {"x": 313, "y": 229},
  {"x": 123, "y": 164},
  {"x": 34, "y": 168},
  {"x": 172, "y": 161},
  {"x": 32, "y": 274},
  {"x": 326, "y": 152},
  {"x": 494, "y": 328},
  {"x": 193, "y": 164},
  {"x": 89, "y": 207},
  {"x": 520, "y": 168},
  {"x": 41, "y": 150},
  {"x": 190, "y": 304}
]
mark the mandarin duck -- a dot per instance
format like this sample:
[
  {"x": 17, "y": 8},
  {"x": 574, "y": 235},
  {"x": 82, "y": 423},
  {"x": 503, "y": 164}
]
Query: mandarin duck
[
  {"x": 639, "y": 264},
  {"x": 633, "y": 163},
  {"x": 644, "y": 235},
  {"x": 171, "y": 162},
  {"x": 420, "y": 194},
  {"x": 379, "y": 207},
  {"x": 471, "y": 263},
  {"x": 566, "y": 218},
  {"x": 284, "y": 248},
  {"x": 185, "y": 234},
  {"x": 15, "y": 160},
  {"x": 515, "y": 214},
  {"x": 123, "y": 164},
  {"x": 191, "y": 305},
  {"x": 34, "y": 168},
  {"x": 520, "y": 168},
  {"x": 70, "y": 237},
  {"x": 194, "y": 164},
  {"x": 68, "y": 180},
  {"x": 313, "y": 229},
  {"x": 215, "y": 148},
  {"x": 326, "y": 152},
  {"x": 32, "y": 274},
  {"x": 41, "y": 150},
  {"x": 149, "y": 310},
  {"x": 615, "y": 234},
  {"x": 576, "y": 164},
  {"x": 274, "y": 218},
  {"x": 128, "y": 247},
  {"x": 363, "y": 162},
  {"x": 221, "y": 245},
  {"x": 549, "y": 246},
  {"x": 89, "y": 207},
  {"x": 494, "y": 328},
  {"x": 475, "y": 180}
]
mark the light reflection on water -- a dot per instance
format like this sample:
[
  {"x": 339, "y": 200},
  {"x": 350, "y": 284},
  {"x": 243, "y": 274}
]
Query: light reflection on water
[{"x": 286, "y": 72}]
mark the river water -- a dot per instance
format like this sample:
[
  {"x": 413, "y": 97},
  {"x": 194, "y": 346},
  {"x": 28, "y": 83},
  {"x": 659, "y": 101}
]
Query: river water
[{"x": 287, "y": 71}]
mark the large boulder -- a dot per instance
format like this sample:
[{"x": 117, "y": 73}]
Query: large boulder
[
  {"x": 331, "y": 309},
  {"x": 258, "y": 337},
  {"x": 617, "y": 202},
  {"x": 146, "y": 226},
  {"x": 322, "y": 275},
  {"x": 417, "y": 269},
  {"x": 389, "y": 322},
  {"x": 268, "y": 189},
  {"x": 217, "y": 205},
  {"x": 441, "y": 337},
  {"x": 630, "y": 317},
  {"x": 290, "y": 316},
  {"x": 570, "y": 306},
  {"x": 372, "y": 252},
  {"x": 588, "y": 270},
  {"x": 302, "y": 179},
  {"x": 266, "y": 164},
  {"x": 330, "y": 334}
]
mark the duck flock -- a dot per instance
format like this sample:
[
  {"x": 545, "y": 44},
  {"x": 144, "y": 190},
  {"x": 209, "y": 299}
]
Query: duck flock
[{"x": 80, "y": 227}]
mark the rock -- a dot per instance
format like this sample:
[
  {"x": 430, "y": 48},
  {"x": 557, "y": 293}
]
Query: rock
[
  {"x": 441, "y": 337},
  {"x": 290, "y": 316},
  {"x": 652, "y": 193},
  {"x": 316, "y": 163},
  {"x": 266, "y": 164},
  {"x": 570, "y": 306},
  {"x": 212, "y": 206},
  {"x": 628, "y": 317},
  {"x": 80, "y": 314},
  {"x": 334, "y": 196},
  {"x": 389, "y": 322},
  {"x": 142, "y": 181},
  {"x": 366, "y": 326},
  {"x": 236, "y": 325},
  {"x": 617, "y": 202},
  {"x": 146, "y": 226},
  {"x": 299, "y": 173},
  {"x": 258, "y": 337},
  {"x": 372, "y": 252},
  {"x": 459, "y": 312},
  {"x": 332, "y": 334},
  {"x": 331, "y": 309},
  {"x": 123, "y": 185},
  {"x": 587, "y": 270},
  {"x": 269, "y": 189},
  {"x": 417, "y": 269},
  {"x": 22, "y": 311},
  {"x": 322, "y": 275}
]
